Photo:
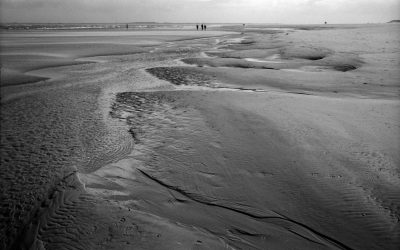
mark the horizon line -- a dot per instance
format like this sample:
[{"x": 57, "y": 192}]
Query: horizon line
[{"x": 157, "y": 22}]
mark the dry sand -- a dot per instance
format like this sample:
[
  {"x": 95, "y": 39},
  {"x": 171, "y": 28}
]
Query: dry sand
[{"x": 274, "y": 138}]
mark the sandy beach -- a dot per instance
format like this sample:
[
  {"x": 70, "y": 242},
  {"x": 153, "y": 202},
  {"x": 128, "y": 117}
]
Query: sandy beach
[{"x": 263, "y": 137}]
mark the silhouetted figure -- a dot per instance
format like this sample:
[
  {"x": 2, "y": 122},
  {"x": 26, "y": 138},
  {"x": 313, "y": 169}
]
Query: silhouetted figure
[
  {"x": 126, "y": 26},
  {"x": 205, "y": 27},
  {"x": 197, "y": 26},
  {"x": 202, "y": 27}
]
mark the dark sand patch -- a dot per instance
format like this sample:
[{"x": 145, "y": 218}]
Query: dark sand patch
[
  {"x": 308, "y": 53},
  {"x": 181, "y": 76},
  {"x": 301, "y": 80}
]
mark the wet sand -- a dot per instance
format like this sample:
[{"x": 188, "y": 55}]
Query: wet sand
[{"x": 281, "y": 138}]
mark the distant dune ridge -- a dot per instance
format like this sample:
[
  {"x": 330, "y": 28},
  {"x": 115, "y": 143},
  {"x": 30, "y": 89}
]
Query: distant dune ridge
[{"x": 238, "y": 137}]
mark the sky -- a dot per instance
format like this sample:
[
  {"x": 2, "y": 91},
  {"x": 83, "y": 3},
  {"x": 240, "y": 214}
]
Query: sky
[{"x": 210, "y": 11}]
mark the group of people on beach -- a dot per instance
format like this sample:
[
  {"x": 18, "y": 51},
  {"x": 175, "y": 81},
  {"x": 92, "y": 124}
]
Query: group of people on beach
[{"x": 203, "y": 27}]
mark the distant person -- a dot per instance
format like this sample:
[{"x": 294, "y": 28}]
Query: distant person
[
  {"x": 202, "y": 27},
  {"x": 205, "y": 27},
  {"x": 126, "y": 26},
  {"x": 197, "y": 26}
]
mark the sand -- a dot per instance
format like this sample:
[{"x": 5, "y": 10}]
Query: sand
[{"x": 264, "y": 138}]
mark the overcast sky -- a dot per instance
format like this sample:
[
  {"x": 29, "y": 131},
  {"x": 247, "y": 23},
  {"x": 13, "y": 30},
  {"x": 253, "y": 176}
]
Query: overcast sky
[{"x": 238, "y": 11}]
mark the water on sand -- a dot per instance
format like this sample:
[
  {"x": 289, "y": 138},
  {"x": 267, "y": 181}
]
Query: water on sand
[{"x": 282, "y": 139}]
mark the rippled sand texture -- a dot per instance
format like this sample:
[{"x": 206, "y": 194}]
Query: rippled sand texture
[
  {"x": 265, "y": 138},
  {"x": 51, "y": 129}
]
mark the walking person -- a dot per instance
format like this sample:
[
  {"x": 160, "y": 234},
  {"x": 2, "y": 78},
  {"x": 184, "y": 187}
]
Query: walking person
[
  {"x": 202, "y": 26},
  {"x": 205, "y": 27},
  {"x": 197, "y": 26}
]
